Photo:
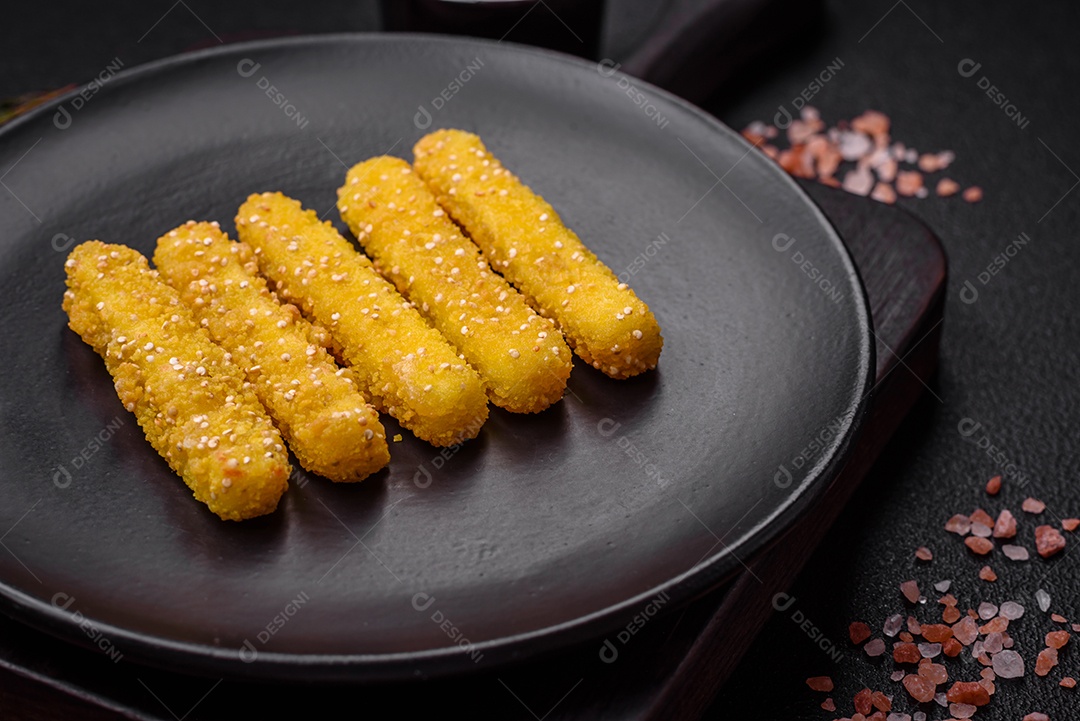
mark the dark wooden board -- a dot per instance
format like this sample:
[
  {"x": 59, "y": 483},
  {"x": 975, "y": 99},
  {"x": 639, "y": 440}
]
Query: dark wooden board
[{"x": 669, "y": 668}]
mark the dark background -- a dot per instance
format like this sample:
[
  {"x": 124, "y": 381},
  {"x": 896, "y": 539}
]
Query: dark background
[{"x": 1008, "y": 361}]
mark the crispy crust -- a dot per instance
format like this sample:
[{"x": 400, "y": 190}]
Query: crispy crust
[
  {"x": 405, "y": 365},
  {"x": 524, "y": 239},
  {"x": 521, "y": 357},
  {"x": 325, "y": 420},
  {"x": 190, "y": 399}
]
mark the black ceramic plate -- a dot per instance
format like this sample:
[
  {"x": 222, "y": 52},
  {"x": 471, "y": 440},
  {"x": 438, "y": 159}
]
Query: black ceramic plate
[{"x": 547, "y": 529}]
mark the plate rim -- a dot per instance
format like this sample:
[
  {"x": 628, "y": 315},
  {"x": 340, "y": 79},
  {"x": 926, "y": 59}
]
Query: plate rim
[{"x": 205, "y": 660}]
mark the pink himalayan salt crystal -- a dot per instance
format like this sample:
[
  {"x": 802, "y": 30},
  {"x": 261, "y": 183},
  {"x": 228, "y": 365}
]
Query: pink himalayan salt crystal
[
  {"x": 880, "y": 701},
  {"x": 928, "y": 163},
  {"x": 858, "y": 632},
  {"x": 874, "y": 648},
  {"x": 929, "y": 650},
  {"x": 1011, "y": 610},
  {"x": 897, "y": 675},
  {"x": 872, "y": 122},
  {"x": 979, "y": 545},
  {"x": 1008, "y": 664},
  {"x": 993, "y": 643},
  {"x": 1005, "y": 526},
  {"x": 919, "y": 716},
  {"x": 959, "y": 524},
  {"x": 883, "y": 193},
  {"x": 1057, "y": 639},
  {"x": 1015, "y": 553},
  {"x": 937, "y": 673},
  {"x": 858, "y": 182},
  {"x": 1070, "y": 524},
  {"x": 760, "y": 129},
  {"x": 987, "y": 610},
  {"x": 966, "y": 630},
  {"x": 1036, "y": 716},
  {"x": 908, "y": 182},
  {"x": 981, "y": 530},
  {"x": 936, "y": 632},
  {"x": 1033, "y": 505},
  {"x": 892, "y": 624},
  {"x": 942, "y": 586},
  {"x": 878, "y": 157},
  {"x": 1046, "y": 660},
  {"x": 973, "y": 194},
  {"x": 981, "y": 516},
  {"x": 829, "y": 705},
  {"x": 863, "y": 702},
  {"x": 910, "y": 589},
  {"x": 853, "y": 144},
  {"x": 1048, "y": 541},
  {"x": 921, "y": 689},
  {"x": 886, "y": 171},
  {"x": 962, "y": 710},
  {"x": 800, "y": 131},
  {"x": 947, "y": 187},
  {"x": 933, "y": 162},
  {"x": 898, "y": 717},
  {"x": 1043, "y": 599}
]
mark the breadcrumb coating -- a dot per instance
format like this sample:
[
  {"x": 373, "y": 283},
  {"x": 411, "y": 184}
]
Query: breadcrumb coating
[
  {"x": 525, "y": 240},
  {"x": 405, "y": 365},
  {"x": 521, "y": 357},
  {"x": 191, "y": 400},
  {"x": 325, "y": 420}
]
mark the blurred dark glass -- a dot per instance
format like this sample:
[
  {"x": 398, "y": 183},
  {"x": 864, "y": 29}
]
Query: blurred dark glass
[{"x": 569, "y": 26}]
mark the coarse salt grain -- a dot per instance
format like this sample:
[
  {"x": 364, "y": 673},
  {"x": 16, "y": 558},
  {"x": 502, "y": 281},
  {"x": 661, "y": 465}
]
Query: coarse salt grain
[
  {"x": 1033, "y": 505},
  {"x": 1043, "y": 599},
  {"x": 1015, "y": 553},
  {"x": 1048, "y": 541}
]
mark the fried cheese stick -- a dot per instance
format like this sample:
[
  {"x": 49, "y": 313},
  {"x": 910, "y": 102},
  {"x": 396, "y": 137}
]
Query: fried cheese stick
[
  {"x": 192, "y": 402},
  {"x": 325, "y": 420},
  {"x": 521, "y": 357},
  {"x": 408, "y": 368},
  {"x": 524, "y": 239}
]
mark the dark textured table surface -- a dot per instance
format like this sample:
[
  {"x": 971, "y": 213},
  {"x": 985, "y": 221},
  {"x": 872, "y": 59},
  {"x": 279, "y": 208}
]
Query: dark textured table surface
[{"x": 1008, "y": 359}]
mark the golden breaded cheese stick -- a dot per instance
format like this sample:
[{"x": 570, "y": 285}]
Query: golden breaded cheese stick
[
  {"x": 192, "y": 402},
  {"x": 325, "y": 420},
  {"x": 521, "y": 357},
  {"x": 524, "y": 239},
  {"x": 408, "y": 368}
]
